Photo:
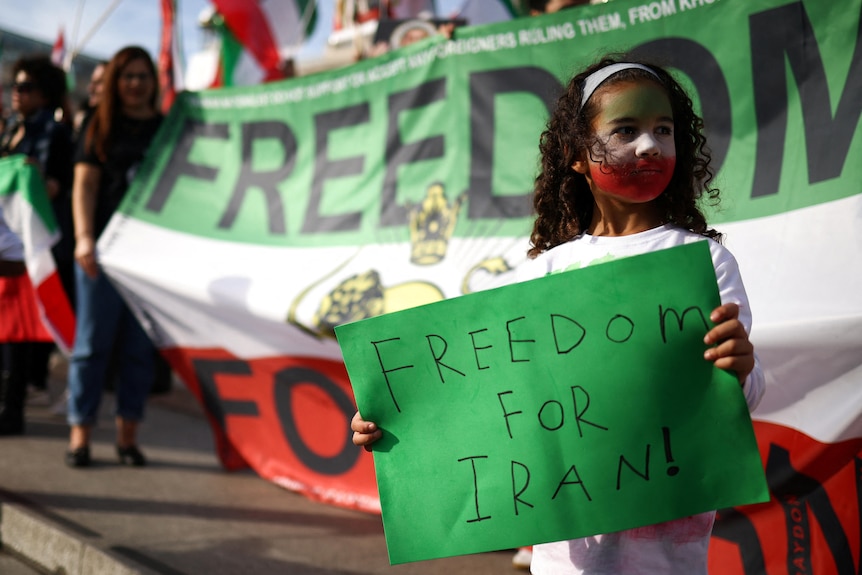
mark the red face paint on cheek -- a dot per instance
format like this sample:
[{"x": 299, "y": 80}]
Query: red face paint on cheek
[{"x": 641, "y": 181}]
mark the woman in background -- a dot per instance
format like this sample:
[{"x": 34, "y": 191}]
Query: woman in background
[
  {"x": 39, "y": 132},
  {"x": 113, "y": 145}
]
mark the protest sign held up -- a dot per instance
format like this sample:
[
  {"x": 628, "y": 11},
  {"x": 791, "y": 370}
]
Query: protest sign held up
[{"x": 566, "y": 406}]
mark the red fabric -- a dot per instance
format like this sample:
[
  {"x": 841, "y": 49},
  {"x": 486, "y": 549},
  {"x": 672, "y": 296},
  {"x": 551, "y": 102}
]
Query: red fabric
[
  {"x": 166, "y": 55},
  {"x": 813, "y": 523},
  {"x": 58, "y": 50},
  {"x": 286, "y": 417},
  {"x": 249, "y": 24},
  {"x": 19, "y": 314},
  {"x": 218, "y": 80},
  {"x": 57, "y": 309}
]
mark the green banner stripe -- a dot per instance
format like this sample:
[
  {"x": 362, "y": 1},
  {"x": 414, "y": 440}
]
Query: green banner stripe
[{"x": 349, "y": 157}]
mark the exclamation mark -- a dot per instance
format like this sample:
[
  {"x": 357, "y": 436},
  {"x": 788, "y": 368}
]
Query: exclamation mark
[{"x": 673, "y": 469}]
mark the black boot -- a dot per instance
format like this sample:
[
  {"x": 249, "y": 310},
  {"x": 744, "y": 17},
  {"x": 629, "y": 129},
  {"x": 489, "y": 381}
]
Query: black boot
[{"x": 14, "y": 384}]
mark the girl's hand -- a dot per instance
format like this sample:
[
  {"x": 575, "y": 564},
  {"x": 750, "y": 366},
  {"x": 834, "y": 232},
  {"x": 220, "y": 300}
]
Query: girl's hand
[
  {"x": 364, "y": 432},
  {"x": 731, "y": 348}
]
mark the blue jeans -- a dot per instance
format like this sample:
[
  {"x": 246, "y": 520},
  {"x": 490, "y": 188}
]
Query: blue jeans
[{"x": 106, "y": 327}]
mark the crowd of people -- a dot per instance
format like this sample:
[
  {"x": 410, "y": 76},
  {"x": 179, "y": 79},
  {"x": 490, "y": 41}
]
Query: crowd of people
[{"x": 87, "y": 160}]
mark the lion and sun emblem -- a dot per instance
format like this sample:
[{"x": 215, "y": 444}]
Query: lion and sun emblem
[{"x": 363, "y": 295}]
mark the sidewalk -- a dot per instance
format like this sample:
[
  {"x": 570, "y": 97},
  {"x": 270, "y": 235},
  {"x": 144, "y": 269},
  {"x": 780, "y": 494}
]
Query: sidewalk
[{"x": 182, "y": 514}]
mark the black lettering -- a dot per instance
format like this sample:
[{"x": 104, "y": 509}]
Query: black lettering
[
  {"x": 399, "y": 153},
  {"x": 326, "y": 169},
  {"x": 736, "y": 527},
  {"x": 286, "y": 381},
  {"x": 472, "y": 460},
  {"x": 179, "y": 164},
  {"x": 680, "y": 319},
  {"x": 798, "y": 496},
  {"x": 206, "y": 371},
  {"x": 784, "y": 36},
  {"x": 623, "y": 334},
  {"x": 516, "y": 491},
  {"x": 579, "y": 414},
  {"x": 484, "y": 89},
  {"x": 437, "y": 358},
  {"x": 623, "y": 460},
  {"x": 564, "y": 481},
  {"x": 386, "y": 372},
  {"x": 477, "y": 348},
  {"x": 513, "y": 341},
  {"x": 265, "y": 180},
  {"x": 562, "y": 416},
  {"x": 580, "y": 333},
  {"x": 506, "y": 414}
]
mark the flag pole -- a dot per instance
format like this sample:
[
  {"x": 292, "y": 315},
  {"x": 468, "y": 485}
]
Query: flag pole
[
  {"x": 94, "y": 28},
  {"x": 307, "y": 13},
  {"x": 67, "y": 60}
]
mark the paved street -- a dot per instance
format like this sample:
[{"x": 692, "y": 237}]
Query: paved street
[{"x": 182, "y": 514}]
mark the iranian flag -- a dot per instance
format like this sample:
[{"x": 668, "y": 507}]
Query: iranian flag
[
  {"x": 258, "y": 40},
  {"x": 58, "y": 50},
  {"x": 170, "y": 56},
  {"x": 27, "y": 210}
]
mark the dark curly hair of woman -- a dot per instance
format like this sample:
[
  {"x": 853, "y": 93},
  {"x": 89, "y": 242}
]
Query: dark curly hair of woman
[{"x": 563, "y": 202}]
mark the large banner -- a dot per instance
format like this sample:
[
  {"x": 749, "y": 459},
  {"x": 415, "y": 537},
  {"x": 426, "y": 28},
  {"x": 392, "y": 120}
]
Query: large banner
[{"x": 266, "y": 216}]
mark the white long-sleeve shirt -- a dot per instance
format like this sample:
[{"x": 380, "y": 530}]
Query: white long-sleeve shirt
[{"x": 676, "y": 547}]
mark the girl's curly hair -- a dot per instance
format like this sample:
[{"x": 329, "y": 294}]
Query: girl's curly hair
[{"x": 562, "y": 200}]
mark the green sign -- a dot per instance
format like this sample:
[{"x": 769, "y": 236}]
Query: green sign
[{"x": 566, "y": 406}]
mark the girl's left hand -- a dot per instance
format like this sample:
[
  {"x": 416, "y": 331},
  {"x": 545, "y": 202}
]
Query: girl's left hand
[{"x": 731, "y": 348}]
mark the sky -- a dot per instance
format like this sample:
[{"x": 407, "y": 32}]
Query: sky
[{"x": 105, "y": 26}]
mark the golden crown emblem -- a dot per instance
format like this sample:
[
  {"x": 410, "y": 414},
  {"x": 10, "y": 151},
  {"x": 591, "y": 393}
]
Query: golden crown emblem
[{"x": 432, "y": 223}]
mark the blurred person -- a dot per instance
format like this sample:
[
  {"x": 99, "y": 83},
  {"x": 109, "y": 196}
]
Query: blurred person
[
  {"x": 412, "y": 31},
  {"x": 38, "y": 94},
  {"x": 407, "y": 32},
  {"x": 550, "y": 6},
  {"x": 94, "y": 94},
  {"x": 85, "y": 112},
  {"x": 114, "y": 143}
]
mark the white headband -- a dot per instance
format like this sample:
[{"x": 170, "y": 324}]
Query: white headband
[{"x": 595, "y": 79}]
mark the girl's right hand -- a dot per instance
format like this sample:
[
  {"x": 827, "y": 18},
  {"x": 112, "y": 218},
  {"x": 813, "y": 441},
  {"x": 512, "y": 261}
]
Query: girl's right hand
[
  {"x": 364, "y": 432},
  {"x": 85, "y": 255}
]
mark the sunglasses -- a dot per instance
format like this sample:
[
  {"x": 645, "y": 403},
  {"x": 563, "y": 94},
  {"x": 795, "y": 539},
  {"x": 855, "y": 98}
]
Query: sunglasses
[{"x": 24, "y": 87}]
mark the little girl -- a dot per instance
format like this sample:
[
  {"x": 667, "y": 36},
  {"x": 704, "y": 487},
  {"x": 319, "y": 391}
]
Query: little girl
[{"x": 623, "y": 166}]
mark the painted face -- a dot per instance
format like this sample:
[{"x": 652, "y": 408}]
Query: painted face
[{"x": 635, "y": 155}]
